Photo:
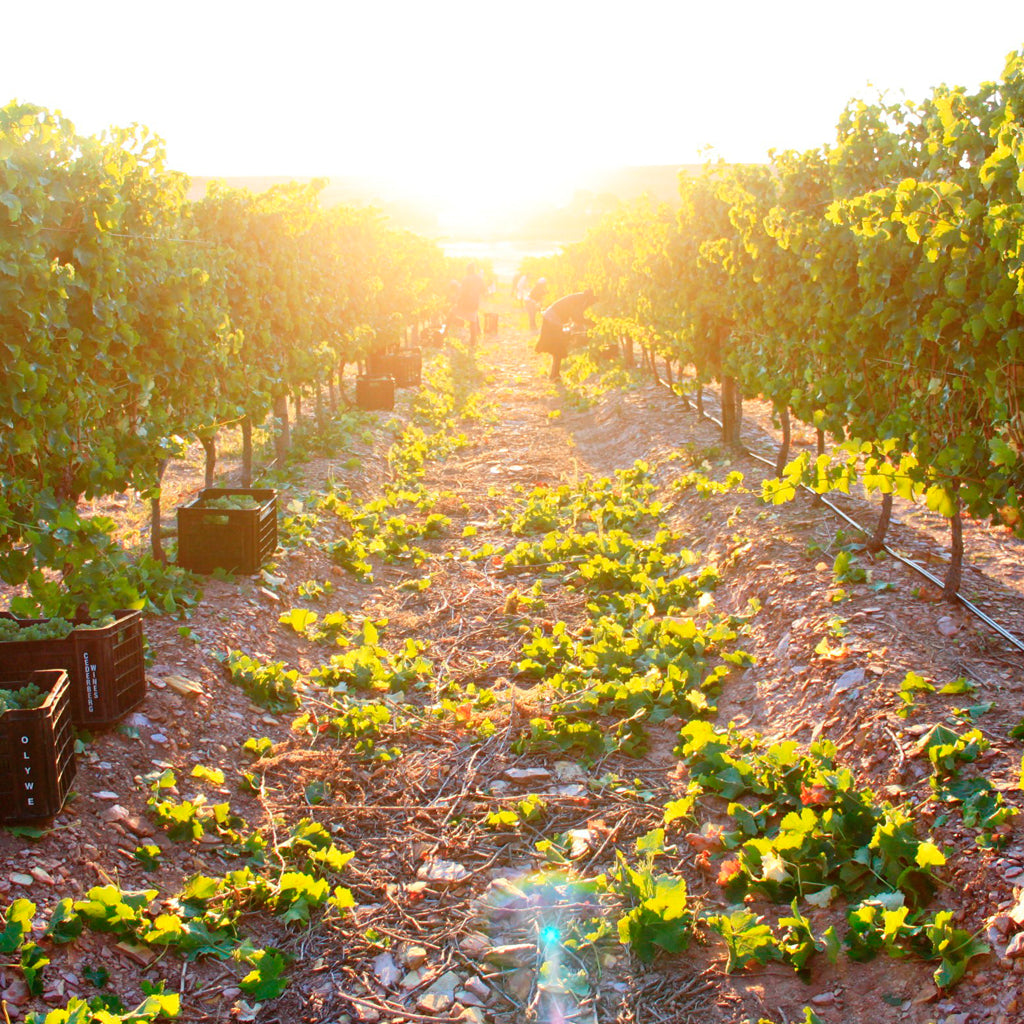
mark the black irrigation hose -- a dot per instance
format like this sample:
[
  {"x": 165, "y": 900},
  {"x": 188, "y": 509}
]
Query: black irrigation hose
[{"x": 909, "y": 562}]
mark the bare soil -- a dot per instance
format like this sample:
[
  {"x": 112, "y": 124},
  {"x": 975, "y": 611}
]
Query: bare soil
[{"x": 401, "y": 818}]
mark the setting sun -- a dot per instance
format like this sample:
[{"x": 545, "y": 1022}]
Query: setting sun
[{"x": 491, "y": 194}]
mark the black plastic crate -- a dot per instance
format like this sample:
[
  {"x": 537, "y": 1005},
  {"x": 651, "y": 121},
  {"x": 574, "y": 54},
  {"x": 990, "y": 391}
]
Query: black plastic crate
[
  {"x": 37, "y": 751},
  {"x": 407, "y": 367},
  {"x": 375, "y": 393},
  {"x": 234, "y": 539},
  {"x": 105, "y": 665},
  {"x": 378, "y": 364}
]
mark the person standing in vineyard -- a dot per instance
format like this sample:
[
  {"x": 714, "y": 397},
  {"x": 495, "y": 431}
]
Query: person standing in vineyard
[
  {"x": 467, "y": 303},
  {"x": 554, "y": 338}
]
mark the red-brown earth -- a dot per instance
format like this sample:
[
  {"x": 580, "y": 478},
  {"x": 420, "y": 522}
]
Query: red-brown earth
[{"x": 829, "y": 658}]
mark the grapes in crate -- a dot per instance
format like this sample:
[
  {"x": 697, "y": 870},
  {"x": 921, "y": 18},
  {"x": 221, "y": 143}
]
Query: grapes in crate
[
  {"x": 51, "y": 629},
  {"x": 232, "y": 501},
  {"x": 29, "y": 696}
]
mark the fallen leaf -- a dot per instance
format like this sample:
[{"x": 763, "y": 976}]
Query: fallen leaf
[
  {"x": 728, "y": 870},
  {"x": 813, "y": 796}
]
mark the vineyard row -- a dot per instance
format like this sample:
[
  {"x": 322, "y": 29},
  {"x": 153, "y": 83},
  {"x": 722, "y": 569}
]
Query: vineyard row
[
  {"x": 872, "y": 288},
  {"x": 132, "y": 318}
]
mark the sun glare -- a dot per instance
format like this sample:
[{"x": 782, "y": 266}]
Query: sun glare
[{"x": 491, "y": 195}]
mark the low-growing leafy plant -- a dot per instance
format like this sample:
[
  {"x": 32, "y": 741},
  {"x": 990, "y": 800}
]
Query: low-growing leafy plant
[
  {"x": 156, "y": 1005},
  {"x": 314, "y": 590},
  {"x": 268, "y": 684},
  {"x": 366, "y": 665},
  {"x": 660, "y": 915}
]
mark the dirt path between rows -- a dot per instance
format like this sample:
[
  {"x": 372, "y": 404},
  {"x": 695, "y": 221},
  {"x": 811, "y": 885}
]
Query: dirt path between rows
[{"x": 437, "y": 892}]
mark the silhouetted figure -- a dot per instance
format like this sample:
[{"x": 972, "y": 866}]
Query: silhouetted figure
[
  {"x": 569, "y": 311},
  {"x": 467, "y": 303}
]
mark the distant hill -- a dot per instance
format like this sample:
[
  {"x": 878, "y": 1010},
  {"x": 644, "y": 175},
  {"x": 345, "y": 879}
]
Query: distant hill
[
  {"x": 402, "y": 210},
  {"x": 600, "y": 192},
  {"x": 659, "y": 181},
  {"x": 597, "y": 193}
]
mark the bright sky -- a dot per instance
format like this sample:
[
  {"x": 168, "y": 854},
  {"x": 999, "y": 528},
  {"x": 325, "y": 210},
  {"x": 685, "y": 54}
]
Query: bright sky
[{"x": 477, "y": 102}]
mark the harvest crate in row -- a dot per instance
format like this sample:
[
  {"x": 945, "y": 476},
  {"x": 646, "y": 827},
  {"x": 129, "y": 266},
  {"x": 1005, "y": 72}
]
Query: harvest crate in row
[
  {"x": 405, "y": 366},
  {"x": 37, "y": 750},
  {"x": 375, "y": 393},
  {"x": 214, "y": 535},
  {"x": 105, "y": 664}
]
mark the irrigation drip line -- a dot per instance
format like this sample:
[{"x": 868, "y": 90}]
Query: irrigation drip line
[{"x": 903, "y": 559}]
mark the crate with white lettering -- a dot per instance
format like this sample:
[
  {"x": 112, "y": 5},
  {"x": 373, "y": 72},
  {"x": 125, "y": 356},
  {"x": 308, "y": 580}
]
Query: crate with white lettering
[
  {"x": 105, "y": 663},
  {"x": 37, "y": 750}
]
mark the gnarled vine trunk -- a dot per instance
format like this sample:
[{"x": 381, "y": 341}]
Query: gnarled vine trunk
[
  {"x": 783, "y": 457},
  {"x": 732, "y": 411},
  {"x": 246, "y": 451},
  {"x": 877, "y": 541},
  {"x": 209, "y": 443},
  {"x": 954, "y": 576},
  {"x": 628, "y": 355},
  {"x": 817, "y": 500},
  {"x": 282, "y": 429},
  {"x": 156, "y": 539}
]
